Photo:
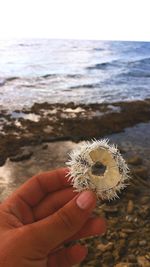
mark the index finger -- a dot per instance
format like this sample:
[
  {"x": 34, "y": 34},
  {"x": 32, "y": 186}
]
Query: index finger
[{"x": 35, "y": 189}]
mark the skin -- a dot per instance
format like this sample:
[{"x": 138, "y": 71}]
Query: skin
[{"x": 39, "y": 218}]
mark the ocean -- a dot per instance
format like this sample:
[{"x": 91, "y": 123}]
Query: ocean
[{"x": 61, "y": 71}]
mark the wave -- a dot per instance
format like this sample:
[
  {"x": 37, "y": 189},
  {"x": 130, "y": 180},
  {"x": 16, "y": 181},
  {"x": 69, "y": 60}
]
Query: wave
[
  {"x": 49, "y": 75},
  {"x": 73, "y": 76},
  {"x": 137, "y": 74},
  {"x": 140, "y": 61},
  {"x": 98, "y": 49},
  {"x": 91, "y": 85},
  {"x": 2, "y": 83},
  {"x": 104, "y": 65},
  {"x": 138, "y": 68},
  {"x": 9, "y": 79}
]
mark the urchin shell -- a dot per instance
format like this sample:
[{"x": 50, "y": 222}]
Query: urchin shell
[{"x": 115, "y": 173}]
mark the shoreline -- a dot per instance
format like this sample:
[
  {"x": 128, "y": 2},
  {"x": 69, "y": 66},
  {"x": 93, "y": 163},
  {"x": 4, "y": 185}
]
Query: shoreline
[{"x": 66, "y": 122}]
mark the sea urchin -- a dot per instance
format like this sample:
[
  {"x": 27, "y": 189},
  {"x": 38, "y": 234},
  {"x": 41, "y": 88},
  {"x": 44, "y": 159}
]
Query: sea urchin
[{"x": 98, "y": 166}]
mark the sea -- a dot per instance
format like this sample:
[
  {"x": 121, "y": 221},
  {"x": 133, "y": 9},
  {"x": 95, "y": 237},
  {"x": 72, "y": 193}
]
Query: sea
[{"x": 62, "y": 71}]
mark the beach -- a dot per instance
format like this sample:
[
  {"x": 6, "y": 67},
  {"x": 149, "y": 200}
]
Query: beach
[
  {"x": 55, "y": 94},
  {"x": 39, "y": 139}
]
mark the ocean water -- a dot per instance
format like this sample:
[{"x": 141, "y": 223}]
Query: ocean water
[{"x": 60, "y": 71}]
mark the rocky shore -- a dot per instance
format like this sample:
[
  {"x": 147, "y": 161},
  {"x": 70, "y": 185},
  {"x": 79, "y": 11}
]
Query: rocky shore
[
  {"x": 29, "y": 144},
  {"x": 59, "y": 122}
]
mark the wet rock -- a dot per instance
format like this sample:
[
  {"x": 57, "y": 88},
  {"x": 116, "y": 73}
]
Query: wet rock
[
  {"x": 130, "y": 207},
  {"x": 140, "y": 171},
  {"x": 24, "y": 155},
  {"x": 105, "y": 247},
  {"x": 143, "y": 262},
  {"x": 135, "y": 160},
  {"x": 2, "y": 160}
]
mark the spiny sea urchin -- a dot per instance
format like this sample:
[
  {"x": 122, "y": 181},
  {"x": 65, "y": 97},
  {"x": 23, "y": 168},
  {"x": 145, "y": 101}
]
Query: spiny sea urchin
[{"x": 98, "y": 166}]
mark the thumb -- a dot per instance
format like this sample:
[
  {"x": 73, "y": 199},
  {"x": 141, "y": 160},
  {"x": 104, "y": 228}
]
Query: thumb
[{"x": 55, "y": 229}]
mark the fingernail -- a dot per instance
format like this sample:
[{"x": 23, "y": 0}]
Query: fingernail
[{"x": 85, "y": 200}]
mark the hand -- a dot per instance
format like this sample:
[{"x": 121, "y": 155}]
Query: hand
[{"x": 39, "y": 218}]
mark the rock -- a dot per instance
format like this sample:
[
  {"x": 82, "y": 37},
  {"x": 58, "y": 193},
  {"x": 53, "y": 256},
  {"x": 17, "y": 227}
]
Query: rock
[
  {"x": 143, "y": 262},
  {"x": 142, "y": 243},
  {"x": 147, "y": 256},
  {"x": 127, "y": 231},
  {"x": 24, "y": 155},
  {"x": 135, "y": 160},
  {"x": 130, "y": 207},
  {"x": 116, "y": 255},
  {"x": 2, "y": 160},
  {"x": 110, "y": 210},
  {"x": 108, "y": 258},
  {"x": 140, "y": 171},
  {"x": 123, "y": 235},
  {"x": 129, "y": 218},
  {"x": 144, "y": 212},
  {"x": 121, "y": 244},
  {"x": 105, "y": 247}
]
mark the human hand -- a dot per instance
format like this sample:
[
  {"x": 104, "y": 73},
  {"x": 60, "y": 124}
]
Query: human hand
[{"x": 39, "y": 218}]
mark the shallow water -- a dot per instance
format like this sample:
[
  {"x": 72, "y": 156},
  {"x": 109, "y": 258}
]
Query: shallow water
[
  {"x": 134, "y": 141},
  {"x": 72, "y": 70}
]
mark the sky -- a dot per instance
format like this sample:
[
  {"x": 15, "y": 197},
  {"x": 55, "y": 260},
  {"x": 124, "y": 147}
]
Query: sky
[{"x": 75, "y": 19}]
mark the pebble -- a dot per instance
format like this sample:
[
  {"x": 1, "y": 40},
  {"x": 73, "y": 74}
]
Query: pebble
[
  {"x": 133, "y": 243},
  {"x": 142, "y": 243},
  {"x": 123, "y": 235},
  {"x": 108, "y": 258},
  {"x": 132, "y": 258},
  {"x": 147, "y": 256},
  {"x": 127, "y": 231},
  {"x": 105, "y": 247},
  {"x": 143, "y": 262},
  {"x": 129, "y": 218},
  {"x": 123, "y": 264},
  {"x": 130, "y": 207},
  {"x": 144, "y": 212},
  {"x": 111, "y": 210},
  {"x": 145, "y": 200}
]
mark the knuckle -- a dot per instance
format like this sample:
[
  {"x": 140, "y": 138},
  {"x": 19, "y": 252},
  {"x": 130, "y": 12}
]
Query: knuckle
[{"x": 66, "y": 221}]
